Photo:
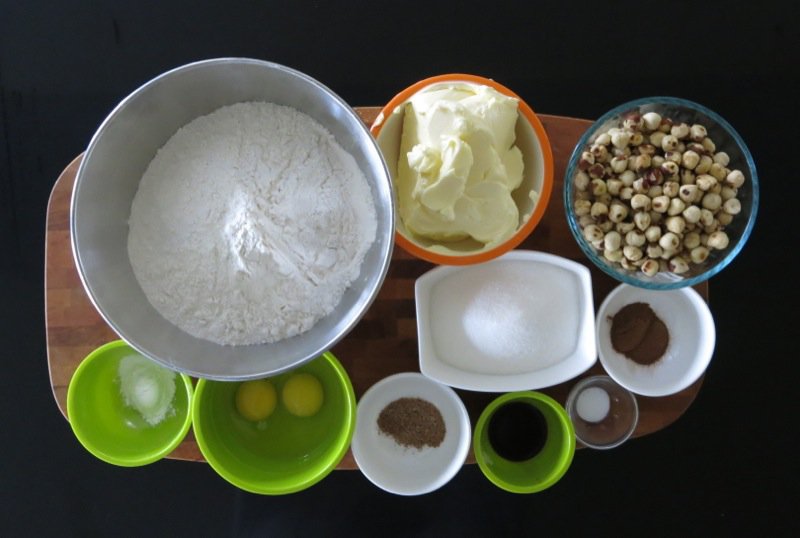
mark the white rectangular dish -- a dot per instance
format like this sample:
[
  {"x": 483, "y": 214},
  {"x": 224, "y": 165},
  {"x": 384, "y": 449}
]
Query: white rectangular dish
[{"x": 523, "y": 321}]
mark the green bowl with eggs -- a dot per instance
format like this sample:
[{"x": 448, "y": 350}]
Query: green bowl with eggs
[
  {"x": 116, "y": 429},
  {"x": 283, "y": 452}
]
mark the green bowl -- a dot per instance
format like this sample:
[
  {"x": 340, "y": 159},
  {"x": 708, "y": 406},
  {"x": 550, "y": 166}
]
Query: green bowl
[
  {"x": 113, "y": 431},
  {"x": 283, "y": 453},
  {"x": 539, "y": 472}
]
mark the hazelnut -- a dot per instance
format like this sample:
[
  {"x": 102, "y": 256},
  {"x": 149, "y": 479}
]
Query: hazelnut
[
  {"x": 669, "y": 143},
  {"x": 678, "y": 265},
  {"x": 651, "y": 121},
  {"x": 704, "y": 165},
  {"x": 620, "y": 138},
  {"x": 650, "y": 267},
  {"x": 722, "y": 158},
  {"x": 690, "y": 159},
  {"x": 718, "y": 240},
  {"x": 697, "y": 132},
  {"x": 735, "y": 178}
]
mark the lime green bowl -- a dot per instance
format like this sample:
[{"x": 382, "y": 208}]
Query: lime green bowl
[
  {"x": 545, "y": 468},
  {"x": 113, "y": 431},
  {"x": 283, "y": 453}
]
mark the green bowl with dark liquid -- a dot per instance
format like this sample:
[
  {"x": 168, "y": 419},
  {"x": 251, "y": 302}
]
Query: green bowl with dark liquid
[{"x": 524, "y": 442}]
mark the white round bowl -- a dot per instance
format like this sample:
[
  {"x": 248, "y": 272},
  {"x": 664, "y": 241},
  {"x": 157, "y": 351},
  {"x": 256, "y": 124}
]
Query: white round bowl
[
  {"x": 407, "y": 470},
  {"x": 692, "y": 337}
]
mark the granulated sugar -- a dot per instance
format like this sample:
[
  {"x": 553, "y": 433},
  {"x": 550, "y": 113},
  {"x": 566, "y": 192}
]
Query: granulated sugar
[{"x": 505, "y": 317}]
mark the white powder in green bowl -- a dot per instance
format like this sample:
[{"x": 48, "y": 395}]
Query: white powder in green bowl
[{"x": 147, "y": 387}]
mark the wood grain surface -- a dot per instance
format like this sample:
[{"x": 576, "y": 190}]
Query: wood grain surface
[{"x": 385, "y": 340}]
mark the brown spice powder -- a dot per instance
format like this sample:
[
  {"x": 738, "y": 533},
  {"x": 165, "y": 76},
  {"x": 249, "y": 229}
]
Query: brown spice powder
[
  {"x": 639, "y": 334},
  {"x": 413, "y": 422}
]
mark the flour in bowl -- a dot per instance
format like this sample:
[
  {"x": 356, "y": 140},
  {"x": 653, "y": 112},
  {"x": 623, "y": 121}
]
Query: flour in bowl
[{"x": 249, "y": 225}]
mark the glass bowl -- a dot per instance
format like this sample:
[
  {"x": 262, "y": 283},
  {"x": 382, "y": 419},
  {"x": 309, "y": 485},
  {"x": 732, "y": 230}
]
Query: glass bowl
[
  {"x": 603, "y": 413},
  {"x": 725, "y": 138}
]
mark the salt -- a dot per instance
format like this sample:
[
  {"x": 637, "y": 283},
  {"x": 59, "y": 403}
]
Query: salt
[
  {"x": 506, "y": 317},
  {"x": 145, "y": 393},
  {"x": 147, "y": 387},
  {"x": 593, "y": 404}
]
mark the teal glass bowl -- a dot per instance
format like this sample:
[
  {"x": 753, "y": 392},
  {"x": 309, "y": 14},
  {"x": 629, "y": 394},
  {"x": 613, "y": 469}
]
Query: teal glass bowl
[{"x": 726, "y": 138}]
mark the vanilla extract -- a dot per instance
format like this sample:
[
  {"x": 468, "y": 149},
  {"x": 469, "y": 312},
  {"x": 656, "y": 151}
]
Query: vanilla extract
[{"x": 517, "y": 431}]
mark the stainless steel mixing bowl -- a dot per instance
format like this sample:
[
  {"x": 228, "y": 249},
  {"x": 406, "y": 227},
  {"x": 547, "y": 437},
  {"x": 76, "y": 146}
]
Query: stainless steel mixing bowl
[{"x": 108, "y": 179}]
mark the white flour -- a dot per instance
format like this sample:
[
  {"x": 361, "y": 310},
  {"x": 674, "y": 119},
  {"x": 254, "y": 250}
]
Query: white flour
[{"x": 249, "y": 224}]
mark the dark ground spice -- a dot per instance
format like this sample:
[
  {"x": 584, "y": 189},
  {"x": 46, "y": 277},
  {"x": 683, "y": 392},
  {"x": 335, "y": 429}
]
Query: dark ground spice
[
  {"x": 639, "y": 334},
  {"x": 412, "y": 422}
]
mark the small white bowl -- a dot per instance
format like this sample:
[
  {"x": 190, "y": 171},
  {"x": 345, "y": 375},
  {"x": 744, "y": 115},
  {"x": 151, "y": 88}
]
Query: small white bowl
[
  {"x": 692, "y": 337},
  {"x": 523, "y": 321},
  {"x": 406, "y": 470}
]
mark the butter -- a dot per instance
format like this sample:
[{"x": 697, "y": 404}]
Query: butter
[{"x": 458, "y": 164}]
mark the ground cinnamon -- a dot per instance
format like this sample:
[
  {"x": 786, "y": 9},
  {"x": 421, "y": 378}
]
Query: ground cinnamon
[
  {"x": 639, "y": 334},
  {"x": 413, "y": 422}
]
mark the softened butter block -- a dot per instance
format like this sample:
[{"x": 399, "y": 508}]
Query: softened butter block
[{"x": 459, "y": 164}]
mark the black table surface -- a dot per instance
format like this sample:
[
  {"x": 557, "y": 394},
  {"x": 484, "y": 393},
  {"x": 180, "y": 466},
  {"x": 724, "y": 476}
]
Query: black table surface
[{"x": 728, "y": 464}]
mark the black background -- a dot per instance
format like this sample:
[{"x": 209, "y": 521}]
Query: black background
[{"x": 728, "y": 464}]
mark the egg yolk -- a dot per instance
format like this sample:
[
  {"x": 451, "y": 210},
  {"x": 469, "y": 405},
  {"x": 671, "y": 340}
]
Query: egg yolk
[
  {"x": 302, "y": 395},
  {"x": 256, "y": 400}
]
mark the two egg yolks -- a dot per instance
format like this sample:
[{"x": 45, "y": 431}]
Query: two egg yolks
[{"x": 302, "y": 396}]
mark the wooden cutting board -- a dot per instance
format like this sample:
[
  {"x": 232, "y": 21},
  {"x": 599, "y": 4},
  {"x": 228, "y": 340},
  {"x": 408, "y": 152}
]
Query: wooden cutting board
[{"x": 385, "y": 340}]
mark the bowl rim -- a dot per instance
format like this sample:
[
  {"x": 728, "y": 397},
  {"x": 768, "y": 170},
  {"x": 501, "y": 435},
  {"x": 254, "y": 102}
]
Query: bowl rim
[
  {"x": 462, "y": 421},
  {"x": 245, "y": 483},
  {"x": 547, "y": 180},
  {"x": 734, "y": 249},
  {"x": 565, "y": 457},
  {"x": 147, "y": 457}
]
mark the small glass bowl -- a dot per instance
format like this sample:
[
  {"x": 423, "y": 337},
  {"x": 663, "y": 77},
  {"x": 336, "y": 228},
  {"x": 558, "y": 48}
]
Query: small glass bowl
[
  {"x": 611, "y": 429},
  {"x": 726, "y": 139}
]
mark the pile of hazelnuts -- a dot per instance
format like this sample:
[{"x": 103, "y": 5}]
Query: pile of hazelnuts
[{"x": 653, "y": 194}]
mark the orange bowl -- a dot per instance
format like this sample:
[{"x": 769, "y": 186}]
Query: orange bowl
[{"x": 537, "y": 155}]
